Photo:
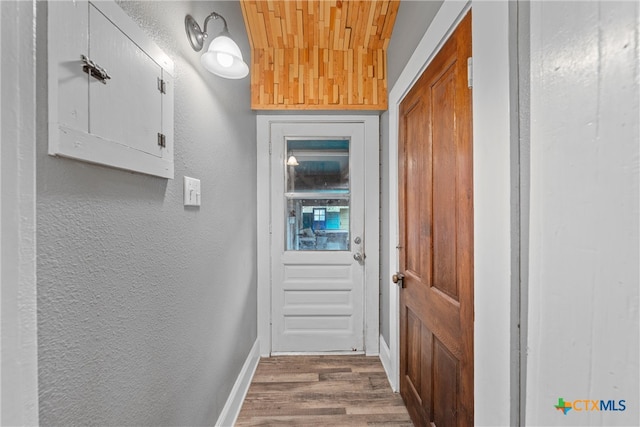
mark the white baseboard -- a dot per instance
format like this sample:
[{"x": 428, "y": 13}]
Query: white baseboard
[
  {"x": 385, "y": 358},
  {"x": 231, "y": 409}
]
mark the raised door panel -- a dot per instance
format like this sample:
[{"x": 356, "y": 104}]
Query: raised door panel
[
  {"x": 446, "y": 374},
  {"x": 444, "y": 189}
]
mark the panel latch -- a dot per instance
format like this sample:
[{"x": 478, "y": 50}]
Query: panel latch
[
  {"x": 162, "y": 140},
  {"x": 94, "y": 70}
]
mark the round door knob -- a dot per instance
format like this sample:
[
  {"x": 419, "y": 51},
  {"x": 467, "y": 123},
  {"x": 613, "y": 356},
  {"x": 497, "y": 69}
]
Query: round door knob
[
  {"x": 398, "y": 277},
  {"x": 357, "y": 256}
]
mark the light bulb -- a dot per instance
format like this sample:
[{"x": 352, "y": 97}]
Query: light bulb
[{"x": 224, "y": 59}]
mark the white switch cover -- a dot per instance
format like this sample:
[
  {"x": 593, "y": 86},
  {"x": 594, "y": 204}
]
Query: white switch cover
[{"x": 191, "y": 191}]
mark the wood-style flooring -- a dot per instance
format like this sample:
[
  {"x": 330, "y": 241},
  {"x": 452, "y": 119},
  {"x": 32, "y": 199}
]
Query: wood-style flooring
[{"x": 322, "y": 391}]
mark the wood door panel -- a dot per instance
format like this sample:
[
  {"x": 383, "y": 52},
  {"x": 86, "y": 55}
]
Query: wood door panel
[
  {"x": 446, "y": 370},
  {"x": 443, "y": 321},
  {"x": 414, "y": 346},
  {"x": 426, "y": 391},
  {"x": 436, "y": 239},
  {"x": 413, "y": 366},
  {"x": 417, "y": 259},
  {"x": 444, "y": 188}
]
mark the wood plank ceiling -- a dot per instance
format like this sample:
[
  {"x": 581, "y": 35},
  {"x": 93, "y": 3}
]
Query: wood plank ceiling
[{"x": 319, "y": 54}]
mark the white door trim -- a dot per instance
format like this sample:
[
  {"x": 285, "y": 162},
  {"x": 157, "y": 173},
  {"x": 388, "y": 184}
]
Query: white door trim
[
  {"x": 371, "y": 234},
  {"x": 492, "y": 227},
  {"x": 18, "y": 314}
]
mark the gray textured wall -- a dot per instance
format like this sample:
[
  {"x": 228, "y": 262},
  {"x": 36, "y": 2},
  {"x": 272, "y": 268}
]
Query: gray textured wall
[
  {"x": 414, "y": 17},
  {"x": 147, "y": 309}
]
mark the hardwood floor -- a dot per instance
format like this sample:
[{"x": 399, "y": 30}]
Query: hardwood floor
[{"x": 322, "y": 391}]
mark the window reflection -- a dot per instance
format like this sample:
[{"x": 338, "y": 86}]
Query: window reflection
[
  {"x": 317, "y": 196},
  {"x": 318, "y": 225}
]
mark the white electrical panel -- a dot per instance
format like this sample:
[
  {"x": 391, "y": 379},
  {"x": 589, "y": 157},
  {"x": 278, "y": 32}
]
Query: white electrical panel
[{"x": 110, "y": 89}]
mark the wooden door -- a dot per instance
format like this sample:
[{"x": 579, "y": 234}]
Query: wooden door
[{"x": 436, "y": 239}]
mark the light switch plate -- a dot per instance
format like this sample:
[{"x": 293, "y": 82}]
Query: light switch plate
[{"x": 191, "y": 191}]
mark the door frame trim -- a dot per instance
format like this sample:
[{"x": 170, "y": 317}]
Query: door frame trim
[
  {"x": 20, "y": 134},
  {"x": 492, "y": 201},
  {"x": 371, "y": 223}
]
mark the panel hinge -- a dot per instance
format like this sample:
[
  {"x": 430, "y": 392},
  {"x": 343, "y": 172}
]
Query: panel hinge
[
  {"x": 162, "y": 85},
  {"x": 162, "y": 140},
  {"x": 269, "y": 147},
  {"x": 470, "y": 72}
]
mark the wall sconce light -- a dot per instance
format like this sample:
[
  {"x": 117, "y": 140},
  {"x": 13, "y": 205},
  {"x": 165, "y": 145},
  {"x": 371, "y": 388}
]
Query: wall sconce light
[{"x": 223, "y": 57}]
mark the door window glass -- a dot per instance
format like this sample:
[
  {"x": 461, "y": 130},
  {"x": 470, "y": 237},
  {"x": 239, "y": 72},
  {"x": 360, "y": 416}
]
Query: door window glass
[{"x": 317, "y": 196}]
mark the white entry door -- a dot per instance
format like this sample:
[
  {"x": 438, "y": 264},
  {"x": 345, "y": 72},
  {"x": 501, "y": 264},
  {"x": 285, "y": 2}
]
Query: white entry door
[{"x": 317, "y": 240}]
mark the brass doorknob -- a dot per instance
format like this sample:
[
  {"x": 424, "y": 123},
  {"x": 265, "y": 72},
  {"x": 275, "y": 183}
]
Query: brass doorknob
[{"x": 398, "y": 277}]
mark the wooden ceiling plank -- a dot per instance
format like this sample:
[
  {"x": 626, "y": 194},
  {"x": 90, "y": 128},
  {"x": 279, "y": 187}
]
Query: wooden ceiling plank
[
  {"x": 329, "y": 64},
  {"x": 318, "y": 54},
  {"x": 390, "y": 19},
  {"x": 261, "y": 25},
  {"x": 276, "y": 29},
  {"x": 295, "y": 64},
  {"x": 316, "y": 28},
  {"x": 385, "y": 7},
  {"x": 310, "y": 86},
  {"x": 261, "y": 31},
  {"x": 287, "y": 22},
  {"x": 361, "y": 75},
  {"x": 361, "y": 22},
  {"x": 245, "y": 17},
  {"x": 300, "y": 35},
  {"x": 338, "y": 28},
  {"x": 350, "y": 75},
  {"x": 279, "y": 6},
  {"x": 367, "y": 30},
  {"x": 334, "y": 25},
  {"x": 307, "y": 38},
  {"x": 316, "y": 62},
  {"x": 347, "y": 38},
  {"x": 337, "y": 34},
  {"x": 249, "y": 16},
  {"x": 376, "y": 26},
  {"x": 301, "y": 84}
]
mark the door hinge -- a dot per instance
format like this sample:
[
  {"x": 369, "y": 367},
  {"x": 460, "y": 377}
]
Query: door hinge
[
  {"x": 162, "y": 140},
  {"x": 470, "y": 72},
  {"x": 162, "y": 85},
  {"x": 269, "y": 147}
]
